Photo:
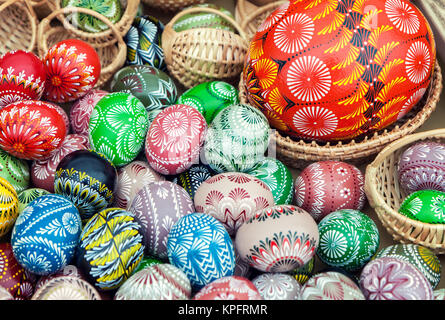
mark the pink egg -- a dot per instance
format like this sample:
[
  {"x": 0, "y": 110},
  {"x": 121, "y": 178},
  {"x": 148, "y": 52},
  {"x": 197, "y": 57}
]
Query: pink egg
[
  {"x": 229, "y": 288},
  {"x": 327, "y": 186},
  {"x": 174, "y": 139},
  {"x": 82, "y": 108}
]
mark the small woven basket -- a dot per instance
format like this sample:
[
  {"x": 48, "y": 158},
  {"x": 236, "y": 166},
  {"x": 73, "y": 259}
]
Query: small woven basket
[
  {"x": 106, "y": 37},
  {"x": 43, "y": 8},
  {"x": 385, "y": 195},
  {"x": 112, "y": 57},
  {"x": 244, "y": 8},
  {"x": 198, "y": 55},
  {"x": 299, "y": 153},
  {"x": 18, "y": 27},
  {"x": 171, "y": 5}
]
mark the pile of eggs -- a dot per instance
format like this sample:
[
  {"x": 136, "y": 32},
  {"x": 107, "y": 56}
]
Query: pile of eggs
[{"x": 141, "y": 192}]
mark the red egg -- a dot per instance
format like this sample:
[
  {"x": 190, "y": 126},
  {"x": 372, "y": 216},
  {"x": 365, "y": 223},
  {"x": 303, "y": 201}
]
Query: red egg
[
  {"x": 174, "y": 139},
  {"x": 31, "y": 129},
  {"x": 22, "y": 77},
  {"x": 81, "y": 110},
  {"x": 229, "y": 288},
  {"x": 327, "y": 186},
  {"x": 72, "y": 69}
]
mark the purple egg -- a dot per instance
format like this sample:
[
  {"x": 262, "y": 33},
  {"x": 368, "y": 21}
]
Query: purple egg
[
  {"x": 422, "y": 167},
  {"x": 158, "y": 206}
]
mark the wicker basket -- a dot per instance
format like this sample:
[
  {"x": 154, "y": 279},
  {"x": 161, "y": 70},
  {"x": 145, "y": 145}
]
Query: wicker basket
[
  {"x": 107, "y": 37},
  {"x": 299, "y": 153},
  {"x": 18, "y": 30},
  {"x": 112, "y": 57},
  {"x": 171, "y": 5},
  {"x": 43, "y": 8},
  {"x": 385, "y": 195},
  {"x": 204, "y": 54},
  {"x": 244, "y": 8}
]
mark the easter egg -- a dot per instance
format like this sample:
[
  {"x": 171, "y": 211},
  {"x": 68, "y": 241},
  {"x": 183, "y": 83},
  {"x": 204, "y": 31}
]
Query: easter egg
[
  {"x": 331, "y": 286},
  {"x": 82, "y": 108},
  {"x": 117, "y": 127},
  {"x": 158, "y": 206},
  {"x": 327, "y": 186},
  {"x": 229, "y": 288},
  {"x": 242, "y": 268},
  {"x": 192, "y": 179},
  {"x": 69, "y": 270},
  {"x": 277, "y": 177},
  {"x": 420, "y": 257},
  {"x": 87, "y": 179},
  {"x": 31, "y": 129},
  {"x": 14, "y": 170},
  {"x": 9, "y": 206},
  {"x": 5, "y": 294},
  {"x": 72, "y": 69},
  {"x": 303, "y": 273},
  {"x": 215, "y": 257},
  {"x": 111, "y": 9},
  {"x": 278, "y": 239},
  {"x": 152, "y": 115},
  {"x": 147, "y": 261},
  {"x": 439, "y": 294},
  {"x": 205, "y": 19},
  {"x": 210, "y": 98},
  {"x": 43, "y": 171},
  {"x": 110, "y": 248},
  {"x": 337, "y": 71},
  {"x": 27, "y": 196},
  {"x": 22, "y": 77},
  {"x": 237, "y": 139},
  {"x": 389, "y": 278},
  {"x": 422, "y": 167},
  {"x": 425, "y": 205},
  {"x": 157, "y": 282},
  {"x": 174, "y": 139},
  {"x": 277, "y": 286},
  {"x": 66, "y": 288},
  {"x": 233, "y": 198},
  {"x": 153, "y": 87},
  {"x": 130, "y": 180},
  {"x": 19, "y": 282},
  {"x": 46, "y": 234},
  {"x": 143, "y": 41},
  {"x": 348, "y": 239}
]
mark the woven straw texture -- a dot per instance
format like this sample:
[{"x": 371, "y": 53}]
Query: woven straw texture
[{"x": 171, "y": 5}]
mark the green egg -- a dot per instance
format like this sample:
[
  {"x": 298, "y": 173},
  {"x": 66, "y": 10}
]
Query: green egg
[
  {"x": 14, "y": 170},
  {"x": 425, "y": 205}
]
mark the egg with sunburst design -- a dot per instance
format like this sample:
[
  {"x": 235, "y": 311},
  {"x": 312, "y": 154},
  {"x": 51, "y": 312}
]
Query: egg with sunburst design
[{"x": 339, "y": 69}]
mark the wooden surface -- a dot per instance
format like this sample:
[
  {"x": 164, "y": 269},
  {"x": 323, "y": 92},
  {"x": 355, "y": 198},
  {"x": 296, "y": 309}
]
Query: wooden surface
[{"x": 436, "y": 121}]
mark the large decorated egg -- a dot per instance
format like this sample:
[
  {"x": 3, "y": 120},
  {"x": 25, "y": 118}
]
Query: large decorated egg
[
  {"x": 87, "y": 179},
  {"x": 229, "y": 288},
  {"x": 72, "y": 69},
  {"x": 420, "y": 257},
  {"x": 31, "y": 129},
  {"x": 334, "y": 71},
  {"x": 157, "y": 282},
  {"x": 348, "y": 239},
  {"x": 174, "y": 139},
  {"x": 277, "y": 177},
  {"x": 14, "y": 170},
  {"x": 233, "y": 198},
  {"x": 278, "y": 239},
  {"x": 43, "y": 171},
  {"x": 130, "y": 180},
  {"x": 22, "y": 77},
  {"x": 327, "y": 186},
  {"x": 237, "y": 139},
  {"x": 46, "y": 234},
  {"x": 118, "y": 126},
  {"x": 425, "y": 205},
  {"x": 110, "y": 248},
  {"x": 9, "y": 206},
  {"x": 68, "y": 270},
  {"x": 191, "y": 179},
  {"x": 67, "y": 288},
  {"x": 210, "y": 98},
  {"x": 331, "y": 285},
  {"x": 422, "y": 167},
  {"x": 153, "y": 87},
  {"x": 27, "y": 196},
  {"x": 82, "y": 108},
  {"x": 387, "y": 278},
  {"x": 277, "y": 286},
  {"x": 215, "y": 257},
  {"x": 19, "y": 282},
  {"x": 143, "y": 41},
  {"x": 158, "y": 206}
]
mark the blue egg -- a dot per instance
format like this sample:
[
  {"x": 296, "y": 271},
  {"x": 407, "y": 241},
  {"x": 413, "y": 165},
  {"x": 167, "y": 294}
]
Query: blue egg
[
  {"x": 201, "y": 247},
  {"x": 46, "y": 234}
]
